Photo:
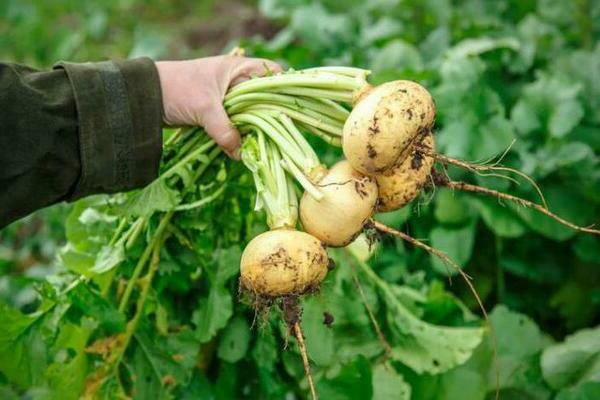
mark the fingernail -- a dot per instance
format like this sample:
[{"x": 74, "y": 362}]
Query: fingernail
[{"x": 234, "y": 154}]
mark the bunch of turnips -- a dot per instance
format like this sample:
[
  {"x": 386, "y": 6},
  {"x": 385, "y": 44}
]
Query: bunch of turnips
[
  {"x": 380, "y": 137},
  {"x": 386, "y": 133}
]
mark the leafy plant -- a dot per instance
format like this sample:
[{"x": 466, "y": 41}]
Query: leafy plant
[{"x": 499, "y": 71}]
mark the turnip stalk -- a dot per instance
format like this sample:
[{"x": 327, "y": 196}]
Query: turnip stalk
[
  {"x": 314, "y": 79},
  {"x": 337, "y": 95},
  {"x": 323, "y": 106}
]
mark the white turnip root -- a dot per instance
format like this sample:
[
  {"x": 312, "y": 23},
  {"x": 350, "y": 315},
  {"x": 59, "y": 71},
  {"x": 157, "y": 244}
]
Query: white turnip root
[
  {"x": 400, "y": 185},
  {"x": 348, "y": 201},
  {"x": 283, "y": 262},
  {"x": 380, "y": 129}
]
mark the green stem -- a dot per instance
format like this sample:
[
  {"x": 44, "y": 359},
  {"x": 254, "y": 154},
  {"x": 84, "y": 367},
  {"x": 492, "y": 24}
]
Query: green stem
[
  {"x": 134, "y": 232},
  {"x": 191, "y": 143},
  {"x": 289, "y": 166},
  {"x": 311, "y": 80},
  {"x": 147, "y": 282},
  {"x": 202, "y": 202},
  {"x": 385, "y": 288},
  {"x": 300, "y": 140},
  {"x": 346, "y": 71},
  {"x": 327, "y": 137},
  {"x": 180, "y": 134},
  {"x": 331, "y": 109},
  {"x": 285, "y": 144},
  {"x": 341, "y": 112},
  {"x": 288, "y": 216},
  {"x": 117, "y": 234},
  {"x": 309, "y": 161},
  {"x": 142, "y": 261},
  {"x": 336, "y": 95},
  {"x": 194, "y": 154},
  {"x": 311, "y": 120}
]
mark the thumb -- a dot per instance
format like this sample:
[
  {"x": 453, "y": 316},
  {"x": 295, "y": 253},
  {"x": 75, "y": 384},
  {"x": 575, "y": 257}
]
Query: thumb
[{"x": 218, "y": 126}]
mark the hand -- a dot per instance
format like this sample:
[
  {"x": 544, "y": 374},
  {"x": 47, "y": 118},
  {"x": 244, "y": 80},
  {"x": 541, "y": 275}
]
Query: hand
[{"x": 193, "y": 92}]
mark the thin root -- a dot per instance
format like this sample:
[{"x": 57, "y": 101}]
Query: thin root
[
  {"x": 525, "y": 203},
  {"x": 467, "y": 278},
  {"x": 386, "y": 345},
  {"x": 304, "y": 354},
  {"x": 479, "y": 167}
]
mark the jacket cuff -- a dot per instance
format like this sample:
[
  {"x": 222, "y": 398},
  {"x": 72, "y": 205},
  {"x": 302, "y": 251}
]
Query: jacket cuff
[{"x": 119, "y": 109}]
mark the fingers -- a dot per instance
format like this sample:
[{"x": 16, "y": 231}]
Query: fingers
[
  {"x": 254, "y": 67},
  {"x": 262, "y": 66},
  {"x": 217, "y": 125}
]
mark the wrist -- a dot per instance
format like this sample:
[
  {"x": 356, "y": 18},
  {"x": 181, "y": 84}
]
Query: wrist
[{"x": 166, "y": 76}]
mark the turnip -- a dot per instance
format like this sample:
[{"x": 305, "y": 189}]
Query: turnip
[
  {"x": 283, "y": 262},
  {"x": 385, "y": 121},
  {"x": 401, "y": 184},
  {"x": 348, "y": 201}
]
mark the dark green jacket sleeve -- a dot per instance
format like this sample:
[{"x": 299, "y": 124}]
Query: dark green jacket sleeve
[{"x": 76, "y": 130}]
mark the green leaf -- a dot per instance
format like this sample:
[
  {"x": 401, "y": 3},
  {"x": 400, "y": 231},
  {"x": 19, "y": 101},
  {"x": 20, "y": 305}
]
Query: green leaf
[
  {"x": 77, "y": 261},
  {"x": 394, "y": 218},
  {"x": 265, "y": 351},
  {"x": 518, "y": 360},
  {"x": 574, "y": 361},
  {"x": 573, "y": 152},
  {"x": 153, "y": 198},
  {"x": 389, "y": 385},
  {"x": 93, "y": 305},
  {"x": 228, "y": 263},
  {"x": 198, "y": 389},
  {"x": 383, "y": 28},
  {"x": 494, "y": 137},
  {"x": 524, "y": 118},
  {"x": 320, "y": 341},
  {"x": 212, "y": 313},
  {"x": 518, "y": 325},
  {"x": 456, "y": 243},
  {"x": 587, "y": 248},
  {"x": 7, "y": 393},
  {"x": 22, "y": 350},
  {"x": 353, "y": 382},
  {"x": 108, "y": 258},
  {"x": 464, "y": 384},
  {"x": 567, "y": 204},
  {"x": 234, "y": 341},
  {"x": 160, "y": 364},
  {"x": 425, "y": 347},
  {"x": 476, "y": 46},
  {"x": 565, "y": 117},
  {"x": 499, "y": 219},
  {"x": 586, "y": 391},
  {"x": 88, "y": 225},
  {"x": 395, "y": 55},
  {"x": 66, "y": 376},
  {"x": 451, "y": 208}
]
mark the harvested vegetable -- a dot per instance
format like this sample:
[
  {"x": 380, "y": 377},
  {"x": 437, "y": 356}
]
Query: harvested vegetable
[
  {"x": 401, "y": 184},
  {"x": 381, "y": 127},
  {"x": 348, "y": 202},
  {"x": 283, "y": 262}
]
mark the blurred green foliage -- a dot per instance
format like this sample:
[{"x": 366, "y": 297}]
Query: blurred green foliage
[{"x": 500, "y": 71}]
